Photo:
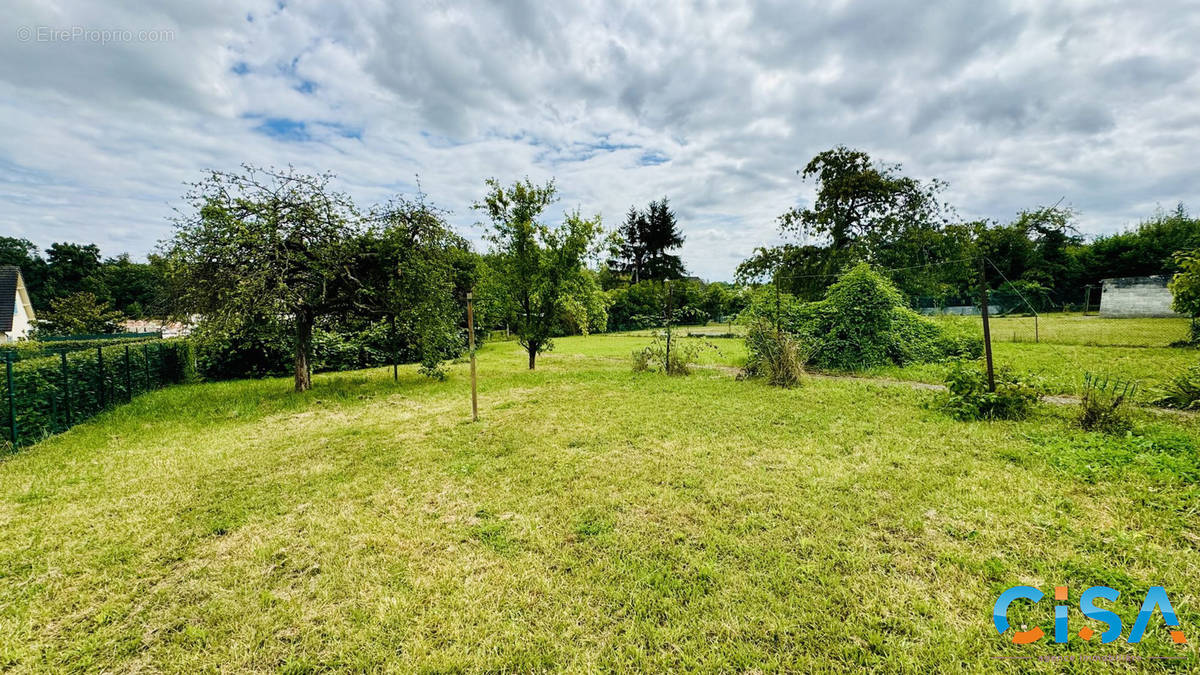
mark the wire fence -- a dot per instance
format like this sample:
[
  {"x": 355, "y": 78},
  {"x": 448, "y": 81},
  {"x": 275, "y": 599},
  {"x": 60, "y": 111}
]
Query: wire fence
[{"x": 49, "y": 394}]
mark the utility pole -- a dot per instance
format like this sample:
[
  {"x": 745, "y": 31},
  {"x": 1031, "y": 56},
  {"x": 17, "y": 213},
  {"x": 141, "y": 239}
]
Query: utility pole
[
  {"x": 987, "y": 330},
  {"x": 471, "y": 342}
]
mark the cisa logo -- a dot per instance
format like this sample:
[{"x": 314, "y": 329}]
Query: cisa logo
[{"x": 1155, "y": 597}]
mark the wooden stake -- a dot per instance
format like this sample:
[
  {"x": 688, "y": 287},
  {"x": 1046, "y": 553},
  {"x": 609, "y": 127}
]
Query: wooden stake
[
  {"x": 987, "y": 331},
  {"x": 471, "y": 342}
]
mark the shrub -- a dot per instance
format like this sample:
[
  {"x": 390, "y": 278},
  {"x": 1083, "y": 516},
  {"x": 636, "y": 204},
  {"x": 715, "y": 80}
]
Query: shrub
[
  {"x": 1101, "y": 406},
  {"x": 1181, "y": 391},
  {"x": 774, "y": 355},
  {"x": 862, "y": 324},
  {"x": 967, "y": 396}
]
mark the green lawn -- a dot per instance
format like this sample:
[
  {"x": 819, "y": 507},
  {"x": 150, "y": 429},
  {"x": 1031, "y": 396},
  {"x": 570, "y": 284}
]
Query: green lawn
[
  {"x": 593, "y": 519},
  {"x": 1060, "y": 368},
  {"x": 1076, "y": 329}
]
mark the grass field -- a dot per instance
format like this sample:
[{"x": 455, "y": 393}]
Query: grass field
[
  {"x": 593, "y": 519},
  {"x": 1076, "y": 329},
  {"x": 1058, "y": 366}
]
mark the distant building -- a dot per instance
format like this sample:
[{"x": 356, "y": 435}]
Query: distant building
[
  {"x": 16, "y": 312},
  {"x": 168, "y": 329},
  {"x": 1135, "y": 297}
]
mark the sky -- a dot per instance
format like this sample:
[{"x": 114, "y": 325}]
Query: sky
[{"x": 107, "y": 109}]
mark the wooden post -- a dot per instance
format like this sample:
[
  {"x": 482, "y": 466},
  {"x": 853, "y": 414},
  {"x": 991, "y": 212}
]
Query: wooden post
[
  {"x": 471, "y": 342},
  {"x": 1087, "y": 298},
  {"x": 987, "y": 331},
  {"x": 776, "y": 279}
]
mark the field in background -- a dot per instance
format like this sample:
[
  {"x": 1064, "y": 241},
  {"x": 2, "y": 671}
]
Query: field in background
[
  {"x": 593, "y": 519},
  {"x": 1076, "y": 329},
  {"x": 1070, "y": 346}
]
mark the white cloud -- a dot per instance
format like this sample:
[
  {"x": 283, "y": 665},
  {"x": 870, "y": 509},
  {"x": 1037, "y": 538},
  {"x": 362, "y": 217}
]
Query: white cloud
[{"x": 715, "y": 106}]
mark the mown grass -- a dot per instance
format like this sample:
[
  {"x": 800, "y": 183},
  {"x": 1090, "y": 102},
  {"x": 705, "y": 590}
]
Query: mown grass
[
  {"x": 1076, "y": 329},
  {"x": 594, "y": 519},
  {"x": 1060, "y": 368}
]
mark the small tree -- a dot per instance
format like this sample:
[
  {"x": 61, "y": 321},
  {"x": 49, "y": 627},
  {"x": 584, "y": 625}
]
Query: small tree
[
  {"x": 410, "y": 266},
  {"x": 1185, "y": 287},
  {"x": 79, "y": 314},
  {"x": 265, "y": 243},
  {"x": 535, "y": 267}
]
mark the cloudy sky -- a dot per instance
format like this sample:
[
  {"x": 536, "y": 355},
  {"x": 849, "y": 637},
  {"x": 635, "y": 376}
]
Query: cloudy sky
[{"x": 715, "y": 105}]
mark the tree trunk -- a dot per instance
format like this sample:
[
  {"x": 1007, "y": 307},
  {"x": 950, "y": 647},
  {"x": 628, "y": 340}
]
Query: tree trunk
[
  {"x": 532, "y": 356},
  {"x": 304, "y": 329}
]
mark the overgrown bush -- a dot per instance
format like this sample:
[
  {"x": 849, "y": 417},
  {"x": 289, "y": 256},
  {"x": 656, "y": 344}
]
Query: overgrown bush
[
  {"x": 668, "y": 354},
  {"x": 1102, "y": 406},
  {"x": 51, "y": 395},
  {"x": 1181, "y": 391},
  {"x": 862, "y": 323},
  {"x": 773, "y": 354},
  {"x": 967, "y": 396}
]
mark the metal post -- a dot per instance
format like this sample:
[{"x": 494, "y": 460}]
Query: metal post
[
  {"x": 471, "y": 343},
  {"x": 128, "y": 375},
  {"x": 987, "y": 331},
  {"x": 12, "y": 399},
  {"x": 100, "y": 371},
  {"x": 66, "y": 383},
  {"x": 1087, "y": 298}
]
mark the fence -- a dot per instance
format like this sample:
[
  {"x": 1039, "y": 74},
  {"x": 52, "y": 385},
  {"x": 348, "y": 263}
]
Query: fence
[{"x": 50, "y": 394}]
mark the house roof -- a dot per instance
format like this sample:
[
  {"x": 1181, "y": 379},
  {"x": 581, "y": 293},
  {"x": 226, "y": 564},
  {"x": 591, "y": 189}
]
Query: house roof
[{"x": 9, "y": 274}]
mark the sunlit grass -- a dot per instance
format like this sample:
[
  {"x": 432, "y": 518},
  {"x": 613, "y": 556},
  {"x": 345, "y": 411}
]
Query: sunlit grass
[{"x": 593, "y": 519}]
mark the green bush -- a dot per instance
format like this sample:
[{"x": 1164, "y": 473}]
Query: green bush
[
  {"x": 54, "y": 392},
  {"x": 1181, "y": 391},
  {"x": 862, "y": 324},
  {"x": 967, "y": 396},
  {"x": 773, "y": 354},
  {"x": 1102, "y": 406},
  {"x": 264, "y": 349}
]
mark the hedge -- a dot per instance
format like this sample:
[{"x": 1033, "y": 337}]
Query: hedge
[
  {"x": 50, "y": 394},
  {"x": 32, "y": 349}
]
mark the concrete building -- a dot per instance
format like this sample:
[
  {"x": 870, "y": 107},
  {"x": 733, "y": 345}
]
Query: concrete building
[
  {"x": 1135, "y": 297},
  {"x": 16, "y": 313}
]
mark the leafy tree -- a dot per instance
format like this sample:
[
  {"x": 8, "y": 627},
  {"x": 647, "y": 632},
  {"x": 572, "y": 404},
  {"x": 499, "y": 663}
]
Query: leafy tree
[
  {"x": 133, "y": 288},
  {"x": 266, "y": 243},
  {"x": 1185, "y": 287},
  {"x": 80, "y": 313},
  {"x": 24, "y": 254},
  {"x": 414, "y": 271},
  {"x": 71, "y": 268},
  {"x": 535, "y": 267},
  {"x": 861, "y": 205}
]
